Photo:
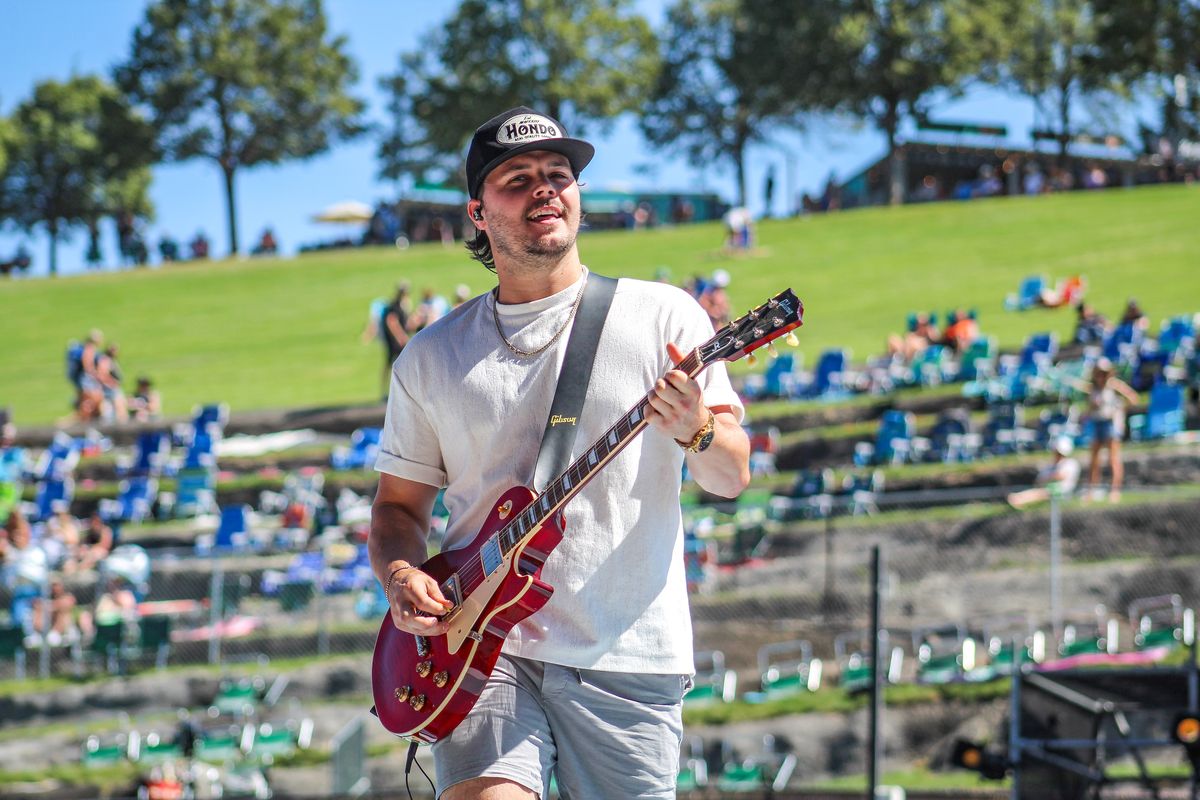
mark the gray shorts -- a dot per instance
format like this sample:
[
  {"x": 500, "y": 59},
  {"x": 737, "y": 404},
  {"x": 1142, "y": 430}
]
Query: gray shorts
[{"x": 601, "y": 734}]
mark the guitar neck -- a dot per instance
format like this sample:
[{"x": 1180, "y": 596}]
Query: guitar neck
[{"x": 583, "y": 469}]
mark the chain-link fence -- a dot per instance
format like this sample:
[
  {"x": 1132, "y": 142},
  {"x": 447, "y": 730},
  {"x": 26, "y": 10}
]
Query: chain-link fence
[{"x": 971, "y": 587}]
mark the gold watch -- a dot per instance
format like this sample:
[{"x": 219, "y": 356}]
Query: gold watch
[{"x": 703, "y": 437}]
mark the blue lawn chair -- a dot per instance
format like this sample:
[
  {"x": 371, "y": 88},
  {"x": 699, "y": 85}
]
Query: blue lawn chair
[
  {"x": 1029, "y": 294},
  {"x": 353, "y": 575},
  {"x": 233, "y": 532},
  {"x": 829, "y": 375},
  {"x": 1176, "y": 333},
  {"x": 1164, "y": 415},
  {"x": 364, "y": 447},
  {"x": 50, "y": 493},
  {"x": 134, "y": 501},
  {"x": 150, "y": 453},
  {"x": 1121, "y": 345},
  {"x": 58, "y": 460}
]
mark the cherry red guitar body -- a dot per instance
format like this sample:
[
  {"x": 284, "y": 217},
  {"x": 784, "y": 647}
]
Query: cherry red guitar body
[{"x": 424, "y": 686}]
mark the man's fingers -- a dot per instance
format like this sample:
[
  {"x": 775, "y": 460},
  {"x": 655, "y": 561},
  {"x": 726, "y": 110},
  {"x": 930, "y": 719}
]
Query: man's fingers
[{"x": 675, "y": 353}]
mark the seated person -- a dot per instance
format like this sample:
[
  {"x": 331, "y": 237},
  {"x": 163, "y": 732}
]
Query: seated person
[
  {"x": 961, "y": 330},
  {"x": 1133, "y": 315},
  {"x": 118, "y": 603},
  {"x": 1058, "y": 478},
  {"x": 146, "y": 404},
  {"x": 1066, "y": 293},
  {"x": 1090, "y": 326},
  {"x": 58, "y": 618},
  {"x": 920, "y": 334},
  {"x": 94, "y": 545},
  {"x": 24, "y": 567}
]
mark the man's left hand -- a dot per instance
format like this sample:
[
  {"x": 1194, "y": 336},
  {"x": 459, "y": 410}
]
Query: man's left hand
[{"x": 677, "y": 403}]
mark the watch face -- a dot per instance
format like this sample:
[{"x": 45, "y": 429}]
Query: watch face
[{"x": 705, "y": 441}]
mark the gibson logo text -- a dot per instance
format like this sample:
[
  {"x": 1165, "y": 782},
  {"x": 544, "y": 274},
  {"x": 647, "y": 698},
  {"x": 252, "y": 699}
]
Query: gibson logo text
[{"x": 557, "y": 418}]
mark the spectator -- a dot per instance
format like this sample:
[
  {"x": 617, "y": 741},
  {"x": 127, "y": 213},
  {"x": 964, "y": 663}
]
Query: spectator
[
  {"x": 58, "y": 618},
  {"x": 1090, "y": 326},
  {"x": 63, "y": 529},
  {"x": 12, "y": 466},
  {"x": 267, "y": 246},
  {"x": 395, "y": 330},
  {"x": 1066, "y": 293},
  {"x": 118, "y": 603},
  {"x": 715, "y": 301},
  {"x": 108, "y": 372},
  {"x": 920, "y": 334},
  {"x": 93, "y": 256},
  {"x": 94, "y": 546},
  {"x": 1107, "y": 398},
  {"x": 1056, "y": 479},
  {"x": 961, "y": 330},
  {"x": 146, "y": 404},
  {"x": 1034, "y": 181},
  {"x": 168, "y": 248},
  {"x": 462, "y": 293},
  {"x": 739, "y": 229},
  {"x": 432, "y": 308},
  {"x": 1133, "y": 315},
  {"x": 85, "y": 373},
  {"x": 199, "y": 246},
  {"x": 24, "y": 566}
]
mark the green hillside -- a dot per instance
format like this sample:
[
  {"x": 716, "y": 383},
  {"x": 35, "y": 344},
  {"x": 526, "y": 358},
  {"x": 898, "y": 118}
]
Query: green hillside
[{"x": 280, "y": 333}]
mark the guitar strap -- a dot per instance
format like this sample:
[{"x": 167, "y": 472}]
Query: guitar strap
[{"x": 562, "y": 425}]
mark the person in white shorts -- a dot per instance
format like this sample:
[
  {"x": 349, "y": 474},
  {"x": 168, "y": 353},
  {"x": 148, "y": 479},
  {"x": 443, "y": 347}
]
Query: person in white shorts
[{"x": 588, "y": 690}]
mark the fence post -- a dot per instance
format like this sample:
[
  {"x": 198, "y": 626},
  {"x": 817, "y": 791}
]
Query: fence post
[
  {"x": 47, "y": 619},
  {"x": 1056, "y": 612},
  {"x": 348, "y": 756},
  {"x": 321, "y": 598},
  {"x": 875, "y": 746},
  {"x": 216, "y": 611}
]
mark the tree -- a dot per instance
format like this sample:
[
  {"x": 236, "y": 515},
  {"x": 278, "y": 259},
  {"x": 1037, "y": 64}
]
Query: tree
[
  {"x": 1055, "y": 60},
  {"x": 1154, "y": 46},
  {"x": 905, "y": 51},
  {"x": 76, "y": 152},
  {"x": 581, "y": 61},
  {"x": 730, "y": 76},
  {"x": 404, "y": 151},
  {"x": 242, "y": 83}
]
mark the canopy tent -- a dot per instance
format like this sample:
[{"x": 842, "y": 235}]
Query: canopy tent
[{"x": 348, "y": 211}]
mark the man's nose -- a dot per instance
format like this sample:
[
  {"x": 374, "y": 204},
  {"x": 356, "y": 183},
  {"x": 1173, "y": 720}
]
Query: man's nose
[{"x": 544, "y": 186}]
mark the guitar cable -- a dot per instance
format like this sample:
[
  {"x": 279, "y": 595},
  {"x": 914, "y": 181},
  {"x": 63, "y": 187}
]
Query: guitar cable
[{"x": 408, "y": 765}]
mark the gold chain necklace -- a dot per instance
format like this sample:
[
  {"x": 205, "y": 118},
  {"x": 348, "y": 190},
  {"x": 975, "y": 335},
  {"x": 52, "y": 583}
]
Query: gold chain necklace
[{"x": 530, "y": 353}]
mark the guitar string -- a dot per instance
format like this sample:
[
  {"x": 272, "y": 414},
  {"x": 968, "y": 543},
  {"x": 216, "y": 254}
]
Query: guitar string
[{"x": 474, "y": 574}]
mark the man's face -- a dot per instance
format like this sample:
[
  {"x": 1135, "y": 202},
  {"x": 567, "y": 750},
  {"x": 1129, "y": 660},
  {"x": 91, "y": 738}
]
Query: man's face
[{"x": 531, "y": 208}]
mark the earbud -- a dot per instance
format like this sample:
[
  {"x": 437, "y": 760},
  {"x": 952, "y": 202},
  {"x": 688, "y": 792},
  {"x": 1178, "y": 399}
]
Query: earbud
[{"x": 477, "y": 215}]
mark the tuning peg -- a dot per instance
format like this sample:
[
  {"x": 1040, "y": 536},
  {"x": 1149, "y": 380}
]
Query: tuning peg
[
  {"x": 791, "y": 339},
  {"x": 751, "y": 359},
  {"x": 771, "y": 348}
]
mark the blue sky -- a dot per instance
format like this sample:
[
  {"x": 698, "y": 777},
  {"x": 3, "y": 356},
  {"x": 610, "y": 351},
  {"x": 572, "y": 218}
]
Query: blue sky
[{"x": 53, "y": 39}]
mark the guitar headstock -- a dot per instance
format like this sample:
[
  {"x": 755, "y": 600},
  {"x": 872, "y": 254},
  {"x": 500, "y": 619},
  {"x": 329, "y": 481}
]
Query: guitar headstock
[{"x": 772, "y": 319}]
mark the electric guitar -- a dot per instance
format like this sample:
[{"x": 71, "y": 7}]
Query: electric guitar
[{"x": 424, "y": 686}]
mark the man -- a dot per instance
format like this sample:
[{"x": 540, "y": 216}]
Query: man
[
  {"x": 589, "y": 687},
  {"x": 1057, "y": 479}
]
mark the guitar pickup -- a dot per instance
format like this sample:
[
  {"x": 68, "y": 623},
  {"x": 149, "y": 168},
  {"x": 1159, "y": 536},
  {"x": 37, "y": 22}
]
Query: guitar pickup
[{"x": 452, "y": 591}]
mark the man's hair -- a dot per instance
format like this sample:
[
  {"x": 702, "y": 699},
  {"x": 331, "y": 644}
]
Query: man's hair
[{"x": 480, "y": 248}]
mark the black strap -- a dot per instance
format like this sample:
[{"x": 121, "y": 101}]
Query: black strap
[{"x": 562, "y": 424}]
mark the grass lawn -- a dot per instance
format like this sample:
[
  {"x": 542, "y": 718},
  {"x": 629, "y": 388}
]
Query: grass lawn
[{"x": 285, "y": 333}]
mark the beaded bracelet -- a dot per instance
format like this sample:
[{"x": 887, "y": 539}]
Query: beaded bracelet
[{"x": 387, "y": 589}]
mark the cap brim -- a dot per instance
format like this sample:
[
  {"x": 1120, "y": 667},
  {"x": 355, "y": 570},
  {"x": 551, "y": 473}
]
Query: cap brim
[{"x": 577, "y": 151}]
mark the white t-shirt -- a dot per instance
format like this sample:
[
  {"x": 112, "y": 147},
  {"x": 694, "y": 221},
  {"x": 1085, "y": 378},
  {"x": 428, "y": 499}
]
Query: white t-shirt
[{"x": 466, "y": 413}]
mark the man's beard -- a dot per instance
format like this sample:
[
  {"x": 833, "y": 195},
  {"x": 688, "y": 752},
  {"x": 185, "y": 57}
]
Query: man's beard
[{"x": 534, "y": 253}]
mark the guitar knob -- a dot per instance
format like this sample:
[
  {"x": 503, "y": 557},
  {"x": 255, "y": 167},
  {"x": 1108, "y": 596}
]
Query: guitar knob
[
  {"x": 441, "y": 678},
  {"x": 424, "y": 668},
  {"x": 417, "y": 702},
  {"x": 402, "y": 693}
]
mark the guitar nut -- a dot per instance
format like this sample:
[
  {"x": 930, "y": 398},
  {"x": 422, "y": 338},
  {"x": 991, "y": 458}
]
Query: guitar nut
[
  {"x": 441, "y": 678},
  {"x": 417, "y": 702},
  {"x": 402, "y": 693},
  {"x": 424, "y": 668}
]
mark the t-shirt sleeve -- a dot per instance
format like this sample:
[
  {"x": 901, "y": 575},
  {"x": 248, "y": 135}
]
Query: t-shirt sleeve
[{"x": 408, "y": 446}]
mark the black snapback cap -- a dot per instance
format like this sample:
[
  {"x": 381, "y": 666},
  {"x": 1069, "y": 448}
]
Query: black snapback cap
[{"x": 520, "y": 130}]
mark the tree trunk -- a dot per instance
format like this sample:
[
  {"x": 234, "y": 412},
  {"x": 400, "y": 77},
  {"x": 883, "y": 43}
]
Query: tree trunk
[
  {"x": 1064, "y": 123},
  {"x": 53, "y": 228},
  {"x": 231, "y": 209},
  {"x": 895, "y": 193}
]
